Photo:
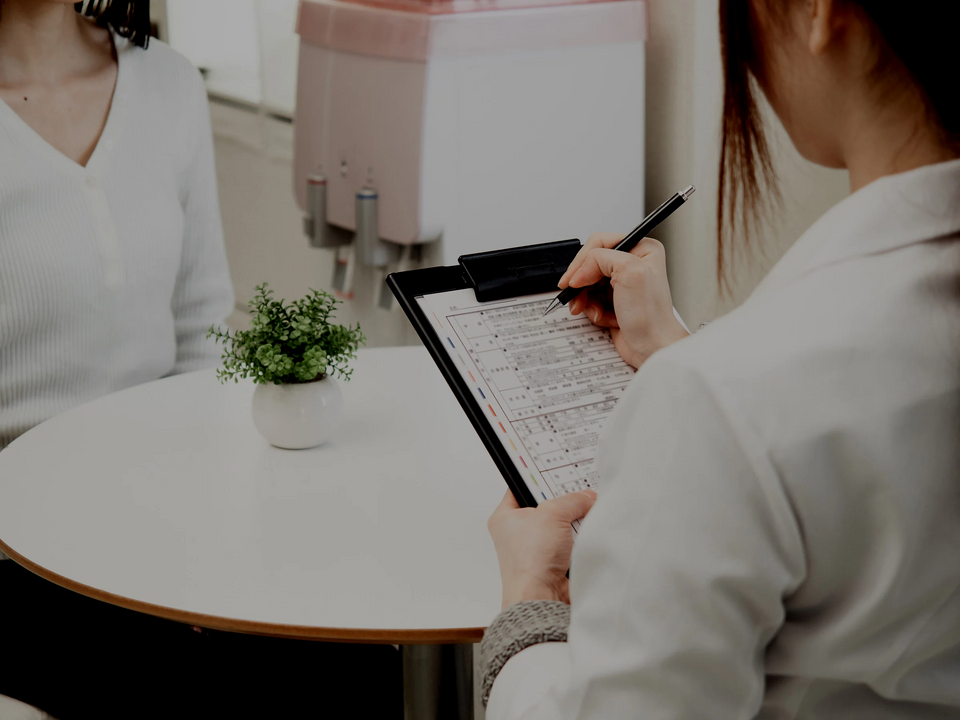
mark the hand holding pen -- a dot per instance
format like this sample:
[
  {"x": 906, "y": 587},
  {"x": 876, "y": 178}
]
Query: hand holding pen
[
  {"x": 636, "y": 303},
  {"x": 626, "y": 244}
]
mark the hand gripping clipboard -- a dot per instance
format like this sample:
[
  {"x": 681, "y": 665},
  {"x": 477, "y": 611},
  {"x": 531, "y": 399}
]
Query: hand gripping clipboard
[{"x": 496, "y": 275}]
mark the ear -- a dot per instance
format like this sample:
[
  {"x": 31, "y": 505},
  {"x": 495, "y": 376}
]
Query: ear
[{"x": 826, "y": 18}]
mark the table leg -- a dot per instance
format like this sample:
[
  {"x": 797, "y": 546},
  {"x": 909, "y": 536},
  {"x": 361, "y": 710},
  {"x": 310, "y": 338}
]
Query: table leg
[
  {"x": 437, "y": 682},
  {"x": 421, "y": 681},
  {"x": 463, "y": 667}
]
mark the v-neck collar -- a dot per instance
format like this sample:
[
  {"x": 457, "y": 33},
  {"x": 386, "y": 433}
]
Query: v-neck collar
[
  {"x": 107, "y": 140},
  {"x": 889, "y": 213}
]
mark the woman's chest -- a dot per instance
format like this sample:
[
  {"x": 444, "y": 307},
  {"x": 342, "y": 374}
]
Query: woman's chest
[
  {"x": 88, "y": 239},
  {"x": 69, "y": 117}
]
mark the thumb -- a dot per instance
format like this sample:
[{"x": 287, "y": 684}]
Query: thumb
[
  {"x": 572, "y": 506},
  {"x": 509, "y": 502}
]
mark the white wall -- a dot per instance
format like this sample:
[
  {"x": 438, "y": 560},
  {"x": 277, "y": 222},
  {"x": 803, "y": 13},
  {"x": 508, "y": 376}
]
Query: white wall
[
  {"x": 684, "y": 102},
  {"x": 279, "y": 54},
  {"x": 248, "y": 47}
]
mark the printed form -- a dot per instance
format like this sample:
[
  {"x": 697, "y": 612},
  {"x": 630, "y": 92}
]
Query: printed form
[{"x": 548, "y": 384}]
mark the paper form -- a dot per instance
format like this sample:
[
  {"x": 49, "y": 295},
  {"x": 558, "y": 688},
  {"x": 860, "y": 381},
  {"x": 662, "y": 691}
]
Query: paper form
[{"x": 548, "y": 384}]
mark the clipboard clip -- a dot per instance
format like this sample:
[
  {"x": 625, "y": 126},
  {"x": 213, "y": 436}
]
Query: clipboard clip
[{"x": 512, "y": 272}]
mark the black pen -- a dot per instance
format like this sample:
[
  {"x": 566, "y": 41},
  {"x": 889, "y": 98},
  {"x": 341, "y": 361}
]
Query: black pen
[{"x": 630, "y": 241}]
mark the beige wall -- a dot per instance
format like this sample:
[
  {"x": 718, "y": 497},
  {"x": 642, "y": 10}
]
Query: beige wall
[
  {"x": 684, "y": 101},
  {"x": 158, "y": 14}
]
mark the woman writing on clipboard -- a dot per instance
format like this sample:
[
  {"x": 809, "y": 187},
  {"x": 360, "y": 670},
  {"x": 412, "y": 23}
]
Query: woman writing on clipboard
[{"x": 778, "y": 528}]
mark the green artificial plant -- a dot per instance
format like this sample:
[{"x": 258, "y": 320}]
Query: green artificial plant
[{"x": 293, "y": 343}]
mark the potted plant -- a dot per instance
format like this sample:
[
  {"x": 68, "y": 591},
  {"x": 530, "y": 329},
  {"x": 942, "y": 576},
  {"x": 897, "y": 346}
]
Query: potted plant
[{"x": 292, "y": 352}]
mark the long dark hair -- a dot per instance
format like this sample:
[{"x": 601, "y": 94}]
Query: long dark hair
[
  {"x": 923, "y": 40},
  {"x": 127, "y": 18}
]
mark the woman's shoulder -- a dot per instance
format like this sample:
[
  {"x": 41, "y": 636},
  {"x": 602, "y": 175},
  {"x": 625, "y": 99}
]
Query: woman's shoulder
[
  {"x": 845, "y": 312},
  {"x": 163, "y": 70},
  {"x": 835, "y": 351}
]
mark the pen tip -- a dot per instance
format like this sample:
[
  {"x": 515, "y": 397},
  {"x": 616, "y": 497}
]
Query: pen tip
[{"x": 554, "y": 304}]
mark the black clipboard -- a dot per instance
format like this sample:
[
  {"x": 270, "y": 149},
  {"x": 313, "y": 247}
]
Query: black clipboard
[{"x": 495, "y": 275}]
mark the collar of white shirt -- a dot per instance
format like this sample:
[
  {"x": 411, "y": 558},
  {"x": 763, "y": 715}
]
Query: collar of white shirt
[{"x": 889, "y": 213}]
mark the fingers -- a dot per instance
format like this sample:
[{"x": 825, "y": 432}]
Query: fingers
[
  {"x": 597, "y": 240},
  {"x": 598, "y": 264},
  {"x": 572, "y": 506},
  {"x": 600, "y": 314},
  {"x": 577, "y": 305}
]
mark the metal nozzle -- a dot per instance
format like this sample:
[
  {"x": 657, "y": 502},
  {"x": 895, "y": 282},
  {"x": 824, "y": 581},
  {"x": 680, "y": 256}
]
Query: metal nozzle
[
  {"x": 688, "y": 192},
  {"x": 315, "y": 225}
]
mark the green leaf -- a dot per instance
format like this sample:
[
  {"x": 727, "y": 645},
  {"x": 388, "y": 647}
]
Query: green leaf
[{"x": 288, "y": 343}]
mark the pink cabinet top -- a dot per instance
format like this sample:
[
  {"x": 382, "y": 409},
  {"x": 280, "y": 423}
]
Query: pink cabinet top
[
  {"x": 446, "y": 7},
  {"x": 420, "y": 29}
]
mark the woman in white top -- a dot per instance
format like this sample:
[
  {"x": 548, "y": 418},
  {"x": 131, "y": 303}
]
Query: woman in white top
[
  {"x": 777, "y": 533},
  {"x": 112, "y": 268},
  {"x": 112, "y": 263}
]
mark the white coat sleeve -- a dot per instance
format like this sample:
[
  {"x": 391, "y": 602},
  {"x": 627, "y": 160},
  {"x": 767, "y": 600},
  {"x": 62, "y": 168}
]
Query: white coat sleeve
[
  {"x": 679, "y": 573},
  {"x": 203, "y": 294}
]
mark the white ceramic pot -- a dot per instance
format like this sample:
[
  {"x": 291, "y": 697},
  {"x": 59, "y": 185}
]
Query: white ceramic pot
[{"x": 297, "y": 416}]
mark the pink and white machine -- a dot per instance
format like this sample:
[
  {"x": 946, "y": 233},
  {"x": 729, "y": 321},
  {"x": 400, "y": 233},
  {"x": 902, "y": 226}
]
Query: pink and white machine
[{"x": 434, "y": 128}]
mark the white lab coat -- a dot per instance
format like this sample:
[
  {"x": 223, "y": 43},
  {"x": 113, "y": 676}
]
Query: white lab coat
[{"x": 778, "y": 528}]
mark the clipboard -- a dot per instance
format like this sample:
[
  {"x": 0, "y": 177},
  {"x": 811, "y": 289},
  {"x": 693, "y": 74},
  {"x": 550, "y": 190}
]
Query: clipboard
[{"x": 495, "y": 275}]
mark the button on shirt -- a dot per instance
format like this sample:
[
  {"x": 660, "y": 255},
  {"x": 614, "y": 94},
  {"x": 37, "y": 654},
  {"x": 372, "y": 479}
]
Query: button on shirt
[{"x": 778, "y": 528}]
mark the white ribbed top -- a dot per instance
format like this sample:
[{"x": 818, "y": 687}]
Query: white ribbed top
[{"x": 110, "y": 274}]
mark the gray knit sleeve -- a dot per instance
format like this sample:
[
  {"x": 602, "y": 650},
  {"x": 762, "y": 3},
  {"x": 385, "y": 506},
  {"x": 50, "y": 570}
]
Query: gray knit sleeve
[{"x": 520, "y": 626}]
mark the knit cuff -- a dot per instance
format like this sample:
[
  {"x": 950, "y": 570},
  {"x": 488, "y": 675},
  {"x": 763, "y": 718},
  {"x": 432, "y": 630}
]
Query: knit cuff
[{"x": 520, "y": 626}]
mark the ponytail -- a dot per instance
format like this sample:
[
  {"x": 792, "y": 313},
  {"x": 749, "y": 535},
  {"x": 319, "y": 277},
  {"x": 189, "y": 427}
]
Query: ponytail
[{"x": 921, "y": 38}]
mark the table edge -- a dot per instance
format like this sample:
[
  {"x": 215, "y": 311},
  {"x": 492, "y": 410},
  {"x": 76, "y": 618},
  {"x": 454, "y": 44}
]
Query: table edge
[{"x": 386, "y": 636}]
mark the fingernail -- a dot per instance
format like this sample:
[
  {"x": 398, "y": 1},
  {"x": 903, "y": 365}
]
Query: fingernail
[{"x": 594, "y": 314}]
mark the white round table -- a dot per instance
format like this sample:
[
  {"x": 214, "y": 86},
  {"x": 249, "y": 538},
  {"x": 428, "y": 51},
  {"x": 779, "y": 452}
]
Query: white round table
[{"x": 164, "y": 499}]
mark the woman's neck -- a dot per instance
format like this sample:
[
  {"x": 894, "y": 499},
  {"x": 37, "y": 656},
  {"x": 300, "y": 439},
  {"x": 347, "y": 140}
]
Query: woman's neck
[
  {"x": 893, "y": 138},
  {"x": 45, "y": 42}
]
